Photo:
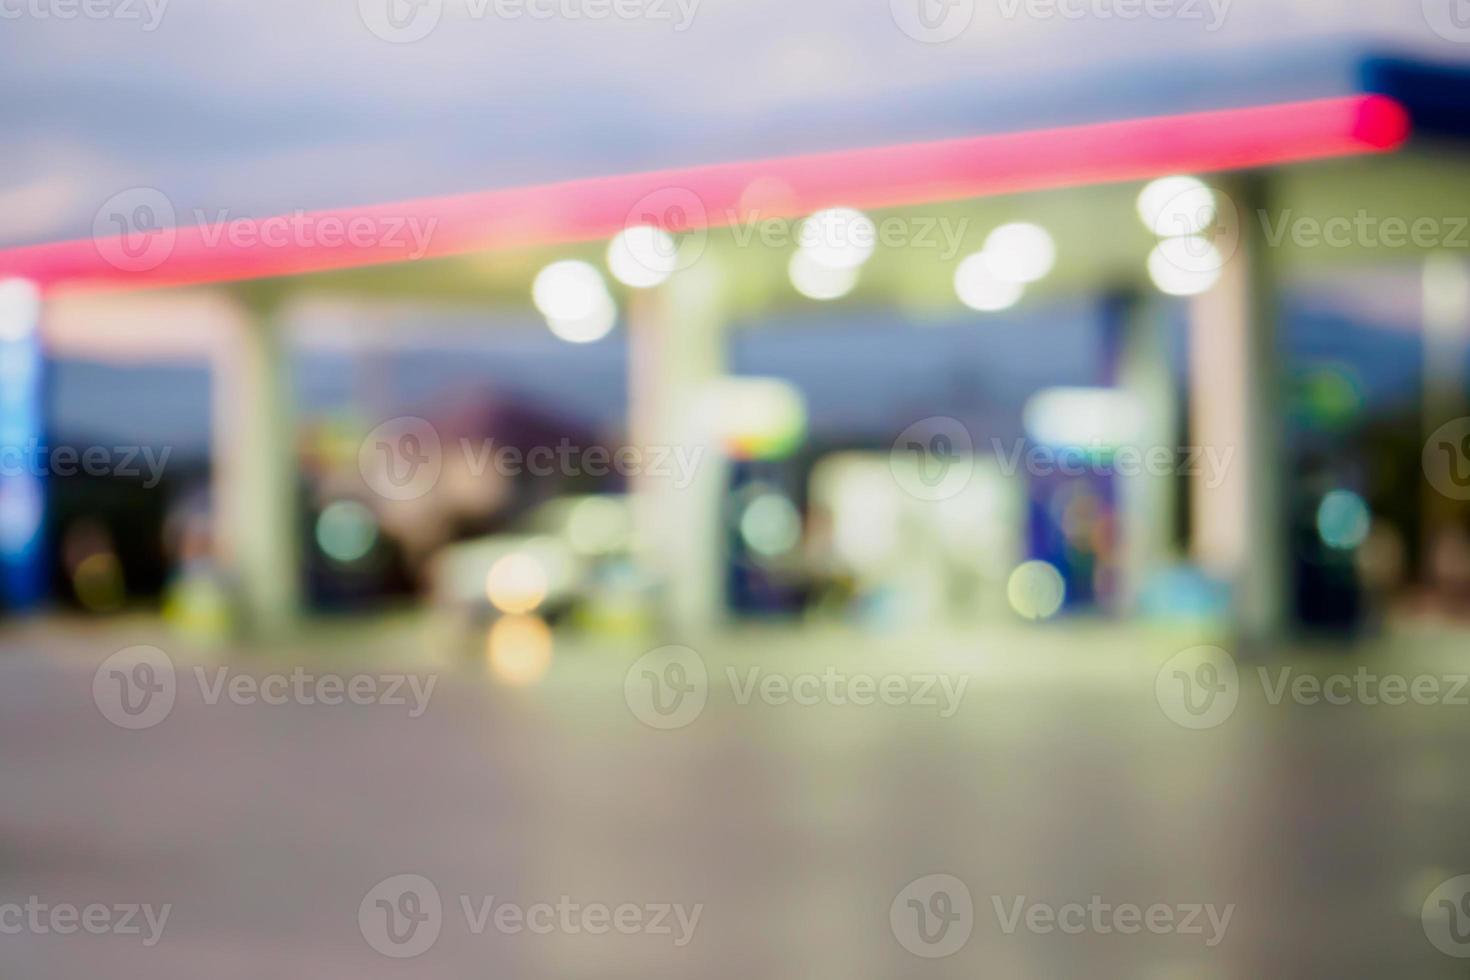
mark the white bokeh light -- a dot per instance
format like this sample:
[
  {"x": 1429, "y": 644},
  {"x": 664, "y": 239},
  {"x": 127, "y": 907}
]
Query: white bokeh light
[
  {"x": 1185, "y": 266},
  {"x": 979, "y": 288},
  {"x": 595, "y": 325},
  {"x": 1178, "y": 205},
  {"x": 569, "y": 290},
  {"x": 1020, "y": 252},
  {"x": 1036, "y": 590},
  {"x": 839, "y": 238},
  {"x": 821, "y": 282},
  {"x": 770, "y": 525},
  {"x": 642, "y": 256}
]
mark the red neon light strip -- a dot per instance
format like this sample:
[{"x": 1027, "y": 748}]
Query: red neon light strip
[{"x": 893, "y": 176}]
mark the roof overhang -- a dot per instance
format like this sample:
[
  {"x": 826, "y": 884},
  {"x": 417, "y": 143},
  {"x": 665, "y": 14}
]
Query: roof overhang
[{"x": 582, "y": 211}]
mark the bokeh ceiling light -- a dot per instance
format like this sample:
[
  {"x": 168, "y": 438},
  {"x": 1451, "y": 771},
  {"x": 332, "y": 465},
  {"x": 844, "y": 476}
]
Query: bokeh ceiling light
[
  {"x": 838, "y": 238},
  {"x": 569, "y": 290},
  {"x": 1020, "y": 252},
  {"x": 821, "y": 282},
  {"x": 1178, "y": 205},
  {"x": 642, "y": 256},
  {"x": 1185, "y": 266},
  {"x": 598, "y": 323},
  {"x": 979, "y": 288}
]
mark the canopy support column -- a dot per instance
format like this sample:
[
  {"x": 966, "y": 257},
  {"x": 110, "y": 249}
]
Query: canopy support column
[
  {"x": 1240, "y": 514},
  {"x": 255, "y": 472},
  {"x": 677, "y": 350},
  {"x": 1148, "y": 497},
  {"x": 1446, "y": 322}
]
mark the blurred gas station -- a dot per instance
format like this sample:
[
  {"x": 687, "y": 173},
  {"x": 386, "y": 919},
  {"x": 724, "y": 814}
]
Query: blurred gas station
[
  {"x": 1037, "y": 377},
  {"x": 1186, "y": 464}
]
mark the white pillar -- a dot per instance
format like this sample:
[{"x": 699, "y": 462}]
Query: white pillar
[
  {"x": 677, "y": 348},
  {"x": 255, "y": 472},
  {"x": 1148, "y": 500},
  {"x": 1240, "y": 526},
  {"x": 1445, "y": 285}
]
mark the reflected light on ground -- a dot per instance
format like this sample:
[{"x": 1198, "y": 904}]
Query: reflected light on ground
[
  {"x": 516, "y": 583},
  {"x": 98, "y": 582},
  {"x": 519, "y": 649}
]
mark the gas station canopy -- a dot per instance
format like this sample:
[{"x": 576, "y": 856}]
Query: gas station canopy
[{"x": 1377, "y": 147}]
